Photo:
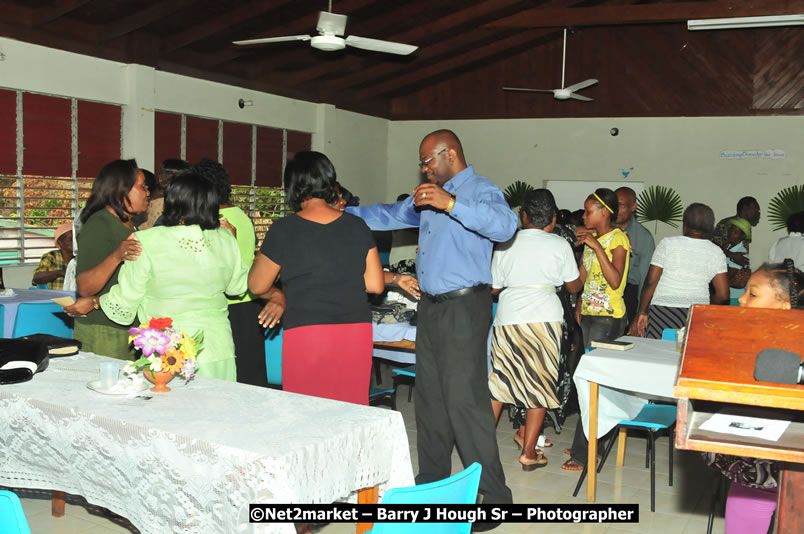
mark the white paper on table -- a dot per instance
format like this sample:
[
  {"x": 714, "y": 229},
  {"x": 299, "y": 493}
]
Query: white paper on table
[{"x": 739, "y": 425}]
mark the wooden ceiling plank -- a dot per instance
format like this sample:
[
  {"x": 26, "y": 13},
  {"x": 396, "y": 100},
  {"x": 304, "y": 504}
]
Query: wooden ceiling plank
[
  {"x": 140, "y": 19},
  {"x": 434, "y": 27},
  {"x": 51, "y": 12},
  {"x": 415, "y": 77},
  {"x": 16, "y": 14},
  {"x": 219, "y": 23},
  {"x": 298, "y": 26},
  {"x": 440, "y": 26},
  {"x": 604, "y": 15}
]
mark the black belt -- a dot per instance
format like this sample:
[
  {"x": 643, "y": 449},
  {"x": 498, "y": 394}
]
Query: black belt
[{"x": 457, "y": 293}]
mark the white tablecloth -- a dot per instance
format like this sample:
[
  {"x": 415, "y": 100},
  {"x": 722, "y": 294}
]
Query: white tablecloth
[
  {"x": 193, "y": 459},
  {"x": 627, "y": 379}
]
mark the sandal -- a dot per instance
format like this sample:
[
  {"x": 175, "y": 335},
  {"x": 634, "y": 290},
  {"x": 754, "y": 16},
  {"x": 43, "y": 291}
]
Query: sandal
[
  {"x": 571, "y": 465},
  {"x": 530, "y": 465}
]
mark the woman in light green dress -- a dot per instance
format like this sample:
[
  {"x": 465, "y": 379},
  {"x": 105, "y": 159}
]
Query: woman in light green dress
[{"x": 184, "y": 272}]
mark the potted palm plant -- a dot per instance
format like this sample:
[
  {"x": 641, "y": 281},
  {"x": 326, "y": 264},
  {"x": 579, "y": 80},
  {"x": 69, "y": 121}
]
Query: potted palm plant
[
  {"x": 515, "y": 193},
  {"x": 788, "y": 201},
  {"x": 659, "y": 204}
]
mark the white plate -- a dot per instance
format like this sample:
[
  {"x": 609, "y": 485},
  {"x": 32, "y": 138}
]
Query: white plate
[
  {"x": 121, "y": 388},
  {"x": 7, "y": 293}
]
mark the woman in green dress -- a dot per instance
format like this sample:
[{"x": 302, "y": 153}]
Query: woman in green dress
[
  {"x": 185, "y": 270},
  {"x": 104, "y": 243}
]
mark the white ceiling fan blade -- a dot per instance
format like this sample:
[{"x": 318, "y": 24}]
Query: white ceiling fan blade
[
  {"x": 375, "y": 45},
  {"x": 273, "y": 40},
  {"x": 331, "y": 23},
  {"x": 581, "y": 85},
  {"x": 576, "y": 96},
  {"x": 527, "y": 90}
]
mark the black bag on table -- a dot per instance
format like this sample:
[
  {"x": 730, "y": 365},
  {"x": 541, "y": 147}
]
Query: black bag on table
[{"x": 21, "y": 358}]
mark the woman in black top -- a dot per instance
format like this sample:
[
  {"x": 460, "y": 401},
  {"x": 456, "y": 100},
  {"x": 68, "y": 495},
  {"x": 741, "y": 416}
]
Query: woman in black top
[{"x": 328, "y": 261}]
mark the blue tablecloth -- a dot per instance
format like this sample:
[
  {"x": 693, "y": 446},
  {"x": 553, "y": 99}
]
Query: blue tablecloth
[{"x": 21, "y": 296}]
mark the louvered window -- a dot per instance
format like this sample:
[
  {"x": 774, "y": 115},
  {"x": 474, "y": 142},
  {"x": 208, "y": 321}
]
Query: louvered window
[
  {"x": 51, "y": 149},
  {"x": 254, "y": 156}
]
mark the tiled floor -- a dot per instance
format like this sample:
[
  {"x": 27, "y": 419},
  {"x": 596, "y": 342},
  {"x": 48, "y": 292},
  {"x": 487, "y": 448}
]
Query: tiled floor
[{"x": 680, "y": 509}]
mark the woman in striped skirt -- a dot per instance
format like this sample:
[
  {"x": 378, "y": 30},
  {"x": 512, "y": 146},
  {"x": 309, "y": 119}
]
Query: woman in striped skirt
[
  {"x": 526, "y": 339},
  {"x": 680, "y": 272}
]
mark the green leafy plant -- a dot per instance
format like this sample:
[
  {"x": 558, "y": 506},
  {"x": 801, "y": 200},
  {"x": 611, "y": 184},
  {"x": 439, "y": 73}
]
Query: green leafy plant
[
  {"x": 659, "y": 204},
  {"x": 788, "y": 201},
  {"x": 515, "y": 193}
]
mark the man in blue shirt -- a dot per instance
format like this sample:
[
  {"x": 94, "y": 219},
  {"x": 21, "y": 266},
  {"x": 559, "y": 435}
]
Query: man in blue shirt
[{"x": 459, "y": 214}]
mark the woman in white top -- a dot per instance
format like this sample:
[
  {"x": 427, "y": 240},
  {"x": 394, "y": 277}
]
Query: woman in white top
[
  {"x": 526, "y": 339},
  {"x": 680, "y": 272}
]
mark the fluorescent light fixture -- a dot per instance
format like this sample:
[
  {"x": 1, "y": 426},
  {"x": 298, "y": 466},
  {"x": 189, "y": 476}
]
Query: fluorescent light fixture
[{"x": 745, "y": 22}]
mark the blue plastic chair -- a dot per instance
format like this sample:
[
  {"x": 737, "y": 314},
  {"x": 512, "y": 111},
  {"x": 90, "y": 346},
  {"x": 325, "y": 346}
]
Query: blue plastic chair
[
  {"x": 652, "y": 418},
  {"x": 42, "y": 318},
  {"x": 385, "y": 257},
  {"x": 457, "y": 489},
  {"x": 273, "y": 355},
  {"x": 669, "y": 334},
  {"x": 406, "y": 375},
  {"x": 12, "y": 518}
]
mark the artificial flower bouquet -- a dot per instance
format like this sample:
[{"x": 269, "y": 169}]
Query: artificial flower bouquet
[{"x": 164, "y": 349}]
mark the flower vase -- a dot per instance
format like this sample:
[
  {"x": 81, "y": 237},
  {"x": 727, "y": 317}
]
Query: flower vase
[{"x": 159, "y": 379}]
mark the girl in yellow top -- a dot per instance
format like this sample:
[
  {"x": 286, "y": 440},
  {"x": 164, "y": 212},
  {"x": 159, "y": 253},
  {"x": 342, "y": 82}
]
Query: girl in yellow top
[{"x": 604, "y": 269}]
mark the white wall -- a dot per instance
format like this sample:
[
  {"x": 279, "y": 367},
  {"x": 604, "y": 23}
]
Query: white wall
[
  {"x": 357, "y": 144},
  {"x": 374, "y": 157},
  {"x": 683, "y": 153}
]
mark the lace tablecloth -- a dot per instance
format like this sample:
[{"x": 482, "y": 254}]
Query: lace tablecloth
[{"x": 192, "y": 460}]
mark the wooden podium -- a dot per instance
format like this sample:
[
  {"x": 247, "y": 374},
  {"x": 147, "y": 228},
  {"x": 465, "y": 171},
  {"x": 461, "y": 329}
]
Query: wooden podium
[{"x": 717, "y": 364}]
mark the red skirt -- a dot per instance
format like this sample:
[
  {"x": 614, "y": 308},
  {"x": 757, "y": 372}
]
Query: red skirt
[{"x": 332, "y": 361}]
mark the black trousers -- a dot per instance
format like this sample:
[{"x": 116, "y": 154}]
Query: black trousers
[
  {"x": 631, "y": 298},
  {"x": 453, "y": 405},
  {"x": 594, "y": 329},
  {"x": 249, "y": 342}
]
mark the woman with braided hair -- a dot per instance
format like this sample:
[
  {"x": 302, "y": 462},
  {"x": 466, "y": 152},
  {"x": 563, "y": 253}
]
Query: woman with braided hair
[{"x": 752, "y": 496}]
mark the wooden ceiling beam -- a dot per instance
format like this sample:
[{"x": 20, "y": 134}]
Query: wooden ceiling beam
[
  {"x": 416, "y": 77},
  {"x": 49, "y": 13},
  {"x": 605, "y": 15},
  {"x": 305, "y": 24},
  {"x": 457, "y": 43},
  {"x": 140, "y": 19},
  {"x": 218, "y": 23},
  {"x": 419, "y": 32},
  {"x": 17, "y": 15}
]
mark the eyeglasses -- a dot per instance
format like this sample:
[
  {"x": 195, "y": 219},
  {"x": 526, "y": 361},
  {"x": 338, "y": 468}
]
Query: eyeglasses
[{"x": 426, "y": 162}]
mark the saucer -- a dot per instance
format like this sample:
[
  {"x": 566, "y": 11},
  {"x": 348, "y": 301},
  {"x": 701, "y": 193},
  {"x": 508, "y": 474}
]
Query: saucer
[{"x": 122, "y": 387}]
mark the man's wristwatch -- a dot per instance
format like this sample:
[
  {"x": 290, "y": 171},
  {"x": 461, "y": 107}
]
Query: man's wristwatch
[{"x": 451, "y": 204}]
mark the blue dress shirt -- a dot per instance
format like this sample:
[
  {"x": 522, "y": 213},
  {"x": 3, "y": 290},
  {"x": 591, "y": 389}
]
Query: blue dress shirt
[{"x": 454, "y": 249}]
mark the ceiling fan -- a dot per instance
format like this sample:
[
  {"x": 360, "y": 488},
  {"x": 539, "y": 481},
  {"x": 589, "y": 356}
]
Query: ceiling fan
[
  {"x": 331, "y": 27},
  {"x": 565, "y": 92}
]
